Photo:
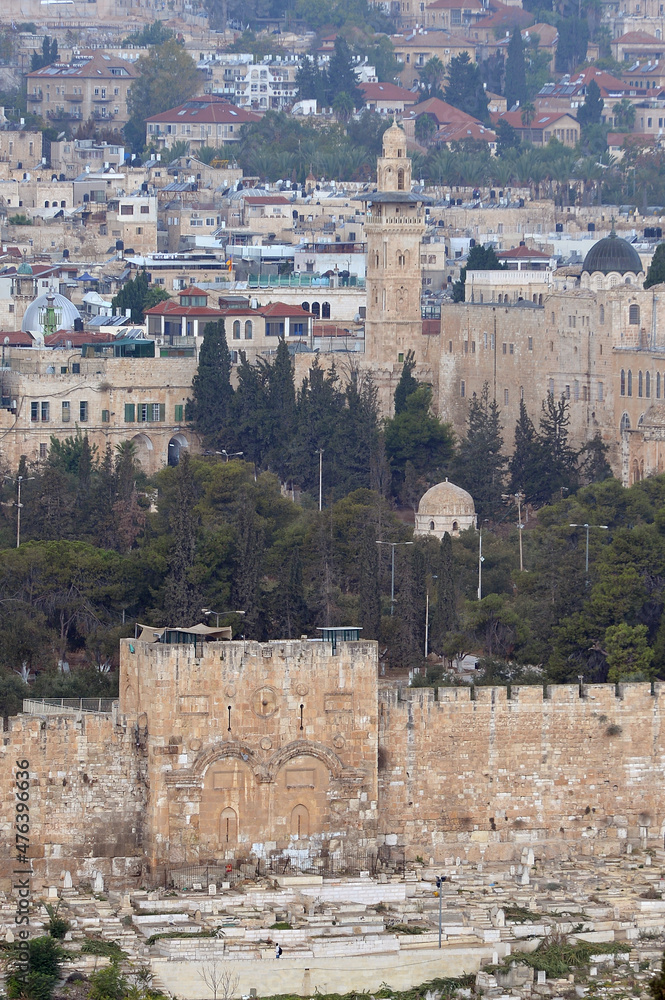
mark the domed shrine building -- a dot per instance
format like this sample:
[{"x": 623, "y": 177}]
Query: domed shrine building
[{"x": 445, "y": 508}]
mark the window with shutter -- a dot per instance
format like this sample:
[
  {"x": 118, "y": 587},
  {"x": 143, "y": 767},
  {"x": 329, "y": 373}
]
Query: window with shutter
[{"x": 129, "y": 413}]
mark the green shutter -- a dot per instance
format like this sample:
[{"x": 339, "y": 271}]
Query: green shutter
[
  {"x": 129, "y": 413},
  {"x": 162, "y": 412},
  {"x": 105, "y": 416},
  {"x": 178, "y": 413}
]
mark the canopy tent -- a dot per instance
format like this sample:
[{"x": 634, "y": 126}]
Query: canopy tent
[{"x": 167, "y": 634}]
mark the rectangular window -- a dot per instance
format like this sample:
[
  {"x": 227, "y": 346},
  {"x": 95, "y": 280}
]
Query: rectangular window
[
  {"x": 505, "y": 397},
  {"x": 504, "y": 348},
  {"x": 43, "y": 450},
  {"x": 530, "y": 343},
  {"x": 106, "y": 416},
  {"x": 145, "y": 209},
  {"x": 550, "y": 387},
  {"x": 473, "y": 347},
  {"x": 178, "y": 413},
  {"x": 34, "y": 411},
  {"x": 466, "y": 346},
  {"x": 576, "y": 390},
  {"x": 600, "y": 392},
  {"x": 45, "y": 412},
  {"x": 142, "y": 411},
  {"x": 130, "y": 411},
  {"x": 512, "y": 348},
  {"x": 66, "y": 413},
  {"x": 83, "y": 411},
  {"x": 450, "y": 347},
  {"x": 76, "y": 368},
  {"x": 462, "y": 389},
  {"x": 156, "y": 411},
  {"x": 567, "y": 392}
]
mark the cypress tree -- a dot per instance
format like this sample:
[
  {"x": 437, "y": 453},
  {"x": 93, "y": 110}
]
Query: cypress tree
[
  {"x": 249, "y": 539},
  {"x": 282, "y": 405},
  {"x": 559, "y": 460},
  {"x": 656, "y": 272},
  {"x": 407, "y": 383},
  {"x": 212, "y": 394},
  {"x": 515, "y": 71},
  {"x": 182, "y": 599},
  {"x": 251, "y": 412},
  {"x": 369, "y": 597}
]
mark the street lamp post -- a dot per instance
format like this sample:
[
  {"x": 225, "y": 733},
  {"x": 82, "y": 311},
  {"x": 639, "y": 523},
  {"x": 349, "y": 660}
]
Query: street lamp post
[
  {"x": 440, "y": 879},
  {"x": 321, "y": 451},
  {"x": 207, "y": 611},
  {"x": 434, "y": 577},
  {"x": 603, "y": 527},
  {"x": 518, "y": 497},
  {"x": 229, "y": 454},
  {"x": 19, "y": 480},
  {"x": 392, "y": 571},
  {"x": 481, "y": 560}
]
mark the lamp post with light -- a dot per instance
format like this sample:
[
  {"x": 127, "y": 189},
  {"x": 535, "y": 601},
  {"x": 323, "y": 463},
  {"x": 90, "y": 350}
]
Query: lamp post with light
[{"x": 392, "y": 571}]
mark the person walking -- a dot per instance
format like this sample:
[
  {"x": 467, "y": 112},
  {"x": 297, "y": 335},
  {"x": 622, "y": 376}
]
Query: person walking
[{"x": 278, "y": 951}]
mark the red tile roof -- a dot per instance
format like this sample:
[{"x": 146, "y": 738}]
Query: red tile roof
[
  {"x": 541, "y": 120},
  {"x": 193, "y": 290},
  {"x": 97, "y": 64},
  {"x": 209, "y": 109},
  {"x": 521, "y": 252},
  {"x": 17, "y": 338},
  {"x": 173, "y": 308},
  {"x": 443, "y": 112},
  {"x": 282, "y": 309},
  {"x": 638, "y": 38},
  {"x": 459, "y": 131},
  {"x": 387, "y": 92}
]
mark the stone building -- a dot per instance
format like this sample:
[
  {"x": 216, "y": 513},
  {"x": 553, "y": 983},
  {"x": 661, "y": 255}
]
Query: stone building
[
  {"x": 445, "y": 508},
  {"x": 94, "y": 85},
  {"x": 110, "y": 397}
]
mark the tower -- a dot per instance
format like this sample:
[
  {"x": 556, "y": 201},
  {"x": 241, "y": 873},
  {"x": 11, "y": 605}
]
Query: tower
[{"x": 394, "y": 226}]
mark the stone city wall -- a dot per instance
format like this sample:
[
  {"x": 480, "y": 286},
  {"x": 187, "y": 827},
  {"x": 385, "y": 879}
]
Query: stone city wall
[
  {"x": 176, "y": 777},
  {"x": 480, "y": 777},
  {"x": 86, "y": 796}
]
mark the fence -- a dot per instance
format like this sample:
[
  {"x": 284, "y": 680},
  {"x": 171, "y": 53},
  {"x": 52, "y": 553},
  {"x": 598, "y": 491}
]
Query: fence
[{"x": 63, "y": 706}]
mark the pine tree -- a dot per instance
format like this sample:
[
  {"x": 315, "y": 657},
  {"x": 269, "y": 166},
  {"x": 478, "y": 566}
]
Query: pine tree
[
  {"x": 212, "y": 393},
  {"x": 407, "y": 383},
  {"x": 444, "y": 616},
  {"x": 479, "y": 465},
  {"x": 464, "y": 89},
  {"x": 251, "y": 412},
  {"x": 369, "y": 597},
  {"x": 656, "y": 272},
  {"x": 527, "y": 457},
  {"x": 559, "y": 465},
  {"x": 292, "y": 607},
  {"x": 410, "y": 607},
  {"x": 515, "y": 71},
  {"x": 318, "y": 419},
  {"x": 182, "y": 598},
  {"x": 591, "y": 111}
]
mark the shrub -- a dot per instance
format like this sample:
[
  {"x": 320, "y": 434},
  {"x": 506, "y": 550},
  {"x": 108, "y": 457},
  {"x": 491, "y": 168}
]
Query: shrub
[
  {"x": 57, "y": 926},
  {"x": 108, "y": 984},
  {"x": 108, "y": 949},
  {"x": 19, "y": 220}
]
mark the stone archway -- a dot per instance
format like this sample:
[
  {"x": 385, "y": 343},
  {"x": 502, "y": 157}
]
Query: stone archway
[
  {"x": 145, "y": 451},
  {"x": 176, "y": 444}
]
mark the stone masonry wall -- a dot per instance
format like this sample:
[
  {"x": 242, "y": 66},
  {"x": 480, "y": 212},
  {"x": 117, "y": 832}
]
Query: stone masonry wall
[
  {"x": 479, "y": 778},
  {"x": 205, "y": 759},
  {"x": 86, "y": 795},
  {"x": 254, "y": 748}
]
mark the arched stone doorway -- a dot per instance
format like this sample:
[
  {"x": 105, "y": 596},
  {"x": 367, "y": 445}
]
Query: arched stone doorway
[
  {"x": 176, "y": 444},
  {"x": 144, "y": 451}
]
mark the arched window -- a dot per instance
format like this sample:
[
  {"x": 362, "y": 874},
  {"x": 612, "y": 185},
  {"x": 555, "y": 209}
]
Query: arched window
[
  {"x": 431, "y": 526},
  {"x": 305, "y": 306},
  {"x": 325, "y": 310},
  {"x": 299, "y": 822},
  {"x": 657, "y": 385},
  {"x": 455, "y": 526},
  {"x": 634, "y": 315},
  {"x": 228, "y": 826},
  {"x": 316, "y": 309},
  {"x": 401, "y": 260},
  {"x": 63, "y": 204},
  {"x": 383, "y": 299},
  {"x": 630, "y": 382},
  {"x": 639, "y": 384},
  {"x": 601, "y": 314},
  {"x": 625, "y": 423},
  {"x": 623, "y": 382},
  {"x": 236, "y": 329},
  {"x": 400, "y": 179},
  {"x": 248, "y": 329},
  {"x": 376, "y": 260},
  {"x": 535, "y": 299},
  {"x": 647, "y": 385},
  {"x": 540, "y": 299},
  {"x": 46, "y": 205}
]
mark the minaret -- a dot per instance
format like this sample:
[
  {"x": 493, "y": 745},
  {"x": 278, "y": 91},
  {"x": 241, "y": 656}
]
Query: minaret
[{"x": 394, "y": 227}]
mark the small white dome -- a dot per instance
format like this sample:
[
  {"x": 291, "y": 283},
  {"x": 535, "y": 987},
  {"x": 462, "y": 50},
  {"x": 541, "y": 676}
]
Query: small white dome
[
  {"x": 445, "y": 508},
  {"x": 446, "y": 498},
  {"x": 66, "y": 313}
]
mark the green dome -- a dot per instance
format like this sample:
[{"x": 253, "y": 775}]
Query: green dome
[{"x": 24, "y": 268}]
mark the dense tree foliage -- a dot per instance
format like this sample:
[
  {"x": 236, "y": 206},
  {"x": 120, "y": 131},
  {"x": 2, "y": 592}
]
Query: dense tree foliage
[
  {"x": 516, "y": 91},
  {"x": 49, "y": 54},
  {"x": 656, "y": 272},
  {"x": 167, "y": 77},
  {"x": 464, "y": 87},
  {"x": 138, "y": 295}
]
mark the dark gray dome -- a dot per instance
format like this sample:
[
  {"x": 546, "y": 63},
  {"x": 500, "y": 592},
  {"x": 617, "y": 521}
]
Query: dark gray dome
[{"x": 612, "y": 254}]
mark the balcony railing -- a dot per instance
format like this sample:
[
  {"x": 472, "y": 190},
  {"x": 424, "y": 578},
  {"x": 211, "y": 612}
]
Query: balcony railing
[{"x": 65, "y": 706}]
